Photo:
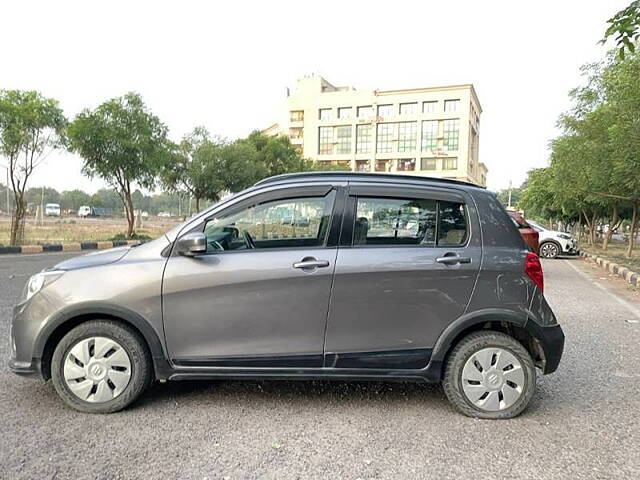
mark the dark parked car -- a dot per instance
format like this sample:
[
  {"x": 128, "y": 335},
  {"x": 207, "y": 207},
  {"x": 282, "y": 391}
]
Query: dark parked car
[
  {"x": 394, "y": 277},
  {"x": 529, "y": 234}
]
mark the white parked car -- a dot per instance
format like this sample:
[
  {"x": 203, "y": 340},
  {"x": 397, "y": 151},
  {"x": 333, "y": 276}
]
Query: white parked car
[
  {"x": 553, "y": 243},
  {"x": 164, "y": 214},
  {"x": 52, "y": 210},
  {"x": 84, "y": 211}
]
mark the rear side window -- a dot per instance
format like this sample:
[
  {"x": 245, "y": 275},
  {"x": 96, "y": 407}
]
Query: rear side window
[{"x": 407, "y": 221}]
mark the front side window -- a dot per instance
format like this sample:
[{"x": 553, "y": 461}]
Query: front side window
[
  {"x": 395, "y": 221},
  {"x": 409, "y": 221},
  {"x": 343, "y": 136},
  {"x": 407, "y": 134},
  {"x": 287, "y": 223}
]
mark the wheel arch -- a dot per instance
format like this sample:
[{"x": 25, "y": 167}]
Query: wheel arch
[
  {"x": 64, "y": 322},
  {"x": 514, "y": 324}
]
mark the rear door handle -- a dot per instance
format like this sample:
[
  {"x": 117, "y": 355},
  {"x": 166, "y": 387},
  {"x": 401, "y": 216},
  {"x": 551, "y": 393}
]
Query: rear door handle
[
  {"x": 453, "y": 259},
  {"x": 309, "y": 264}
]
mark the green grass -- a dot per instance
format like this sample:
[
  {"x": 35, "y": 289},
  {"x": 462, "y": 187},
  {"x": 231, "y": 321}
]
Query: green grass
[{"x": 616, "y": 252}]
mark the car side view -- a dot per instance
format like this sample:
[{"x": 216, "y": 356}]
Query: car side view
[
  {"x": 327, "y": 275},
  {"x": 554, "y": 243}
]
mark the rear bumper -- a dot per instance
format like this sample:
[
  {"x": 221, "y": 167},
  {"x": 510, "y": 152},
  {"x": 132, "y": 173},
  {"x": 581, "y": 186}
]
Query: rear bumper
[{"x": 551, "y": 341}]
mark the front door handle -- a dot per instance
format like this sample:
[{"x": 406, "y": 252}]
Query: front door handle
[
  {"x": 311, "y": 263},
  {"x": 453, "y": 259}
]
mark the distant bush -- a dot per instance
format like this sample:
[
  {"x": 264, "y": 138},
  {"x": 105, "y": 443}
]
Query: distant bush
[{"x": 134, "y": 236}]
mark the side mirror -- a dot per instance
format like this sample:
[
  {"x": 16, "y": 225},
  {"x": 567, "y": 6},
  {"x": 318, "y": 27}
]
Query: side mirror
[{"x": 192, "y": 244}]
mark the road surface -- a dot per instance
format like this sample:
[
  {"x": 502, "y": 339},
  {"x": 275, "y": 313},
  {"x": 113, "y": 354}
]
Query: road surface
[{"x": 584, "y": 421}]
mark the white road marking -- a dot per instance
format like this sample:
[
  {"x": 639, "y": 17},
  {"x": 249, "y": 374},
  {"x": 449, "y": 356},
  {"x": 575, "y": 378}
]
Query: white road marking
[{"x": 635, "y": 311}]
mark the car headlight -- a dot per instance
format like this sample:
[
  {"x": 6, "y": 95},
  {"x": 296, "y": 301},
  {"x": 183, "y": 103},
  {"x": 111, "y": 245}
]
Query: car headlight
[
  {"x": 39, "y": 281},
  {"x": 565, "y": 236}
]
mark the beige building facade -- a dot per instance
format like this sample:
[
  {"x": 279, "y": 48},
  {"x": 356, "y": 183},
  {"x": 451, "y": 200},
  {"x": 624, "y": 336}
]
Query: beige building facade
[{"x": 431, "y": 132}]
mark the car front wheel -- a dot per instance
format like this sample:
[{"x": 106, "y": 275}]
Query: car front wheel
[
  {"x": 489, "y": 375},
  {"x": 101, "y": 366}
]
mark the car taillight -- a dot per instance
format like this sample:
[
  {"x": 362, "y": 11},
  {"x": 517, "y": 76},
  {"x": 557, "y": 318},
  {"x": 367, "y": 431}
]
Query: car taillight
[{"x": 533, "y": 269}]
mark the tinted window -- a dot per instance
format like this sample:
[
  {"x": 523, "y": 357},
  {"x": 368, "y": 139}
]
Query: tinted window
[
  {"x": 452, "y": 229},
  {"x": 394, "y": 221},
  {"x": 286, "y": 223},
  {"x": 401, "y": 221}
]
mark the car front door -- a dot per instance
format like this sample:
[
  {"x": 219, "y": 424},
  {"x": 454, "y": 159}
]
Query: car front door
[
  {"x": 259, "y": 296},
  {"x": 406, "y": 268}
]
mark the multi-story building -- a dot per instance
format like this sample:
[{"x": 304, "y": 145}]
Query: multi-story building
[{"x": 420, "y": 131}]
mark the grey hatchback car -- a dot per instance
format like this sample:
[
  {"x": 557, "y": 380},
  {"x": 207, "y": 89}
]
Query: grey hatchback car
[{"x": 328, "y": 275}]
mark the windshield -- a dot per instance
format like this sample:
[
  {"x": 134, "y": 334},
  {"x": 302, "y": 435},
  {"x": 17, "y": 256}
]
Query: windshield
[{"x": 536, "y": 226}]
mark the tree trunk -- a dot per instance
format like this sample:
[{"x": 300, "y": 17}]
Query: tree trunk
[
  {"x": 590, "y": 237},
  {"x": 197, "y": 204},
  {"x": 128, "y": 207},
  {"x": 16, "y": 219},
  {"x": 613, "y": 221},
  {"x": 632, "y": 233}
]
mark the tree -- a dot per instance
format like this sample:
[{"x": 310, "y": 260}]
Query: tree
[
  {"x": 31, "y": 126},
  {"x": 74, "y": 199},
  {"x": 123, "y": 143},
  {"x": 625, "y": 26}
]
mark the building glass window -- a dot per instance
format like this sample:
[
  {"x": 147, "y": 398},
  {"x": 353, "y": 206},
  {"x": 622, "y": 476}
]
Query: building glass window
[
  {"x": 385, "y": 110},
  {"x": 297, "y": 115},
  {"x": 385, "y": 138},
  {"x": 450, "y": 163},
  {"x": 406, "y": 165},
  {"x": 345, "y": 112},
  {"x": 343, "y": 136},
  {"x": 395, "y": 221},
  {"x": 451, "y": 134},
  {"x": 363, "y": 138},
  {"x": 365, "y": 111},
  {"x": 408, "y": 108},
  {"x": 325, "y": 141},
  {"x": 429, "y": 135},
  {"x": 428, "y": 164},
  {"x": 363, "y": 165},
  {"x": 326, "y": 114},
  {"x": 429, "y": 107},
  {"x": 383, "y": 165},
  {"x": 407, "y": 134},
  {"x": 451, "y": 105}
]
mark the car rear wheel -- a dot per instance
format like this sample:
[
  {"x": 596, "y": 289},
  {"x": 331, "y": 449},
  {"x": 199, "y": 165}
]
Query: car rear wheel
[
  {"x": 549, "y": 250},
  {"x": 489, "y": 375},
  {"x": 101, "y": 366}
]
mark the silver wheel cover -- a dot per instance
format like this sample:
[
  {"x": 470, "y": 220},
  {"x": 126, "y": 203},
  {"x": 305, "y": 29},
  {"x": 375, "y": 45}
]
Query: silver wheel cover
[
  {"x": 549, "y": 250},
  {"x": 97, "y": 369},
  {"x": 493, "y": 379}
]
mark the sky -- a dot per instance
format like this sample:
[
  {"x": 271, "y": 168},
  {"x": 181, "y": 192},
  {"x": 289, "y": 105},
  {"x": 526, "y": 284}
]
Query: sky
[{"x": 226, "y": 65}]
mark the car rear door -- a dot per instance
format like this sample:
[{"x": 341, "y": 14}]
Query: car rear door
[{"x": 406, "y": 268}]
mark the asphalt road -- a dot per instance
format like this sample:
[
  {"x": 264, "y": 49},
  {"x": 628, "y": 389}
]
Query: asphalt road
[{"x": 584, "y": 421}]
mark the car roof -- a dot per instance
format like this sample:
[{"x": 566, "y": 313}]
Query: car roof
[{"x": 361, "y": 176}]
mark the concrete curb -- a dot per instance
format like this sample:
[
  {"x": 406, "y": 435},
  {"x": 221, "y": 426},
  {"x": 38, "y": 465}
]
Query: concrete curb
[
  {"x": 66, "y": 247},
  {"x": 631, "y": 277}
]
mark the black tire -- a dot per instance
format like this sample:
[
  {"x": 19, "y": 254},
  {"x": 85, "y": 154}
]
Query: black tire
[
  {"x": 550, "y": 250},
  {"x": 468, "y": 346},
  {"x": 133, "y": 344}
]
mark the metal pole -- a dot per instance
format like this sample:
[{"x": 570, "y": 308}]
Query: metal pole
[{"x": 509, "y": 206}]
